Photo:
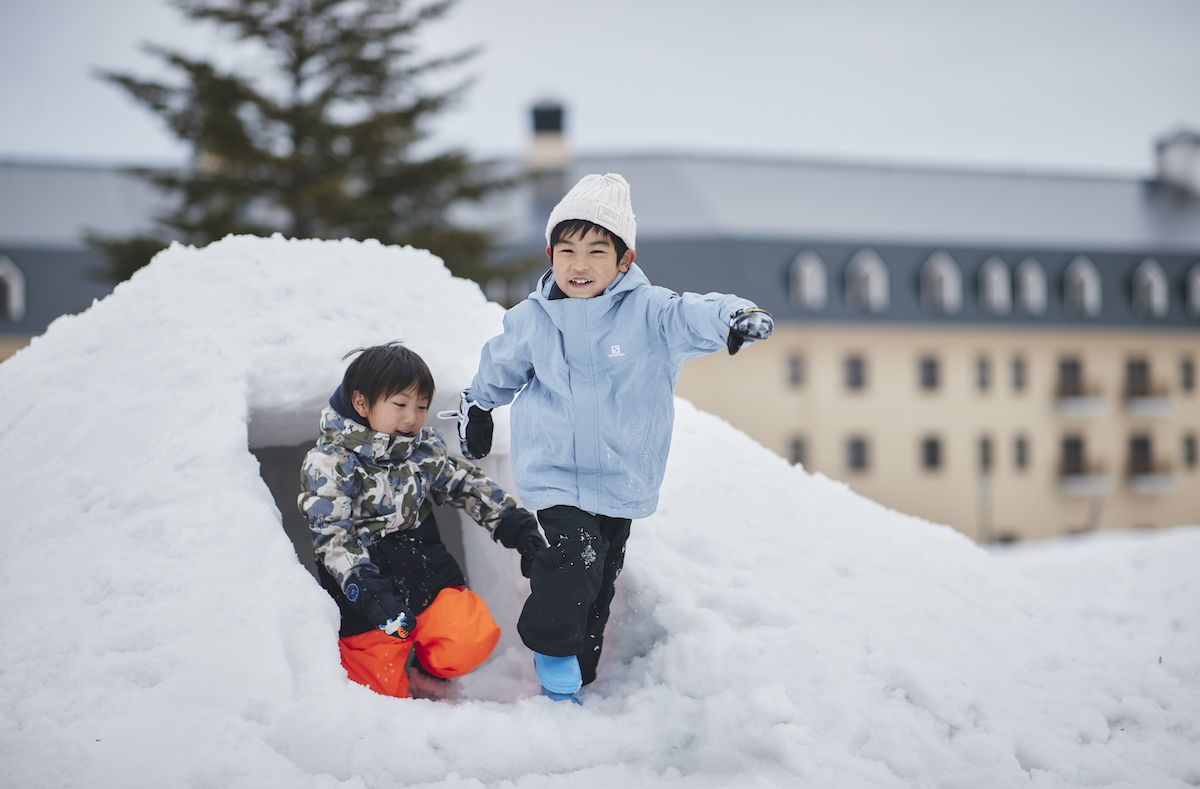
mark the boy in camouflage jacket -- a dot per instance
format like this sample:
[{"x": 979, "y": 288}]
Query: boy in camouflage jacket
[{"x": 367, "y": 486}]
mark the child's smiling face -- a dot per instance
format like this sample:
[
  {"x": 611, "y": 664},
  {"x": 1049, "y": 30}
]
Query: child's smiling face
[
  {"x": 584, "y": 266},
  {"x": 401, "y": 414}
]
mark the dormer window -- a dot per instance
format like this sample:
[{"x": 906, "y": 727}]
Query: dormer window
[
  {"x": 941, "y": 284},
  {"x": 995, "y": 287},
  {"x": 1150, "y": 289},
  {"x": 1031, "y": 287},
  {"x": 867, "y": 286},
  {"x": 12, "y": 291},
  {"x": 809, "y": 284},
  {"x": 1081, "y": 288}
]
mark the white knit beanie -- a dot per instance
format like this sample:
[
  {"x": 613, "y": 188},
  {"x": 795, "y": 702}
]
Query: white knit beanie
[{"x": 602, "y": 200}]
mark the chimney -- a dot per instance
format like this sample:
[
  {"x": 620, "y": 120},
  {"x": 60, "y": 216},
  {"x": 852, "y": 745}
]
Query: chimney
[
  {"x": 549, "y": 149},
  {"x": 1178, "y": 161},
  {"x": 548, "y": 160}
]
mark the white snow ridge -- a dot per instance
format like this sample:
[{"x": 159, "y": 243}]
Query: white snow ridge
[{"x": 771, "y": 628}]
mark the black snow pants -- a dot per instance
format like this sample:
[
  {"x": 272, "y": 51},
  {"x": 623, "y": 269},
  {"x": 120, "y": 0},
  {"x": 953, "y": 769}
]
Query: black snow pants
[
  {"x": 572, "y": 584},
  {"x": 418, "y": 564}
]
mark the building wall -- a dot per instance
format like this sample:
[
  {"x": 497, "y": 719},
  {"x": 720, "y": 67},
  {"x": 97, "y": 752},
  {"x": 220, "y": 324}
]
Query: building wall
[
  {"x": 10, "y": 344},
  {"x": 894, "y": 414},
  {"x": 54, "y": 281},
  {"x": 57, "y": 281}
]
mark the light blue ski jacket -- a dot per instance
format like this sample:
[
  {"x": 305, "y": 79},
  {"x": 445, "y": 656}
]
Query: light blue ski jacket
[{"x": 596, "y": 377}]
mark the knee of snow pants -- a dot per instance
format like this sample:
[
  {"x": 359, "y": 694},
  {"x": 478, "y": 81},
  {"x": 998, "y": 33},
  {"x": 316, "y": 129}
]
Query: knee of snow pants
[
  {"x": 453, "y": 636},
  {"x": 376, "y": 660}
]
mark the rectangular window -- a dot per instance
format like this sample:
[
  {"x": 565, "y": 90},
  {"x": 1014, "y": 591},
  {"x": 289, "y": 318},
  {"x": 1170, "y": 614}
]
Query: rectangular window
[
  {"x": 1021, "y": 453},
  {"x": 927, "y": 372},
  {"x": 931, "y": 453},
  {"x": 1070, "y": 377},
  {"x": 1187, "y": 375},
  {"x": 1072, "y": 455},
  {"x": 1189, "y": 451},
  {"x": 795, "y": 371},
  {"x": 856, "y": 372},
  {"x": 798, "y": 451},
  {"x": 1140, "y": 461},
  {"x": 1018, "y": 373},
  {"x": 985, "y": 454},
  {"x": 857, "y": 454},
  {"x": 1137, "y": 378},
  {"x": 983, "y": 373}
]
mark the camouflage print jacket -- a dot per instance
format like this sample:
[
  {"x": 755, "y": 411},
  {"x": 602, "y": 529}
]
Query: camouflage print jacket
[{"x": 359, "y": 486}]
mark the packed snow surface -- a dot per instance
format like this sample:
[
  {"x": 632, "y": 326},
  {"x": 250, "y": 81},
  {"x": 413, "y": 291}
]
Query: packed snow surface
[{"x": 771, "y": 627}]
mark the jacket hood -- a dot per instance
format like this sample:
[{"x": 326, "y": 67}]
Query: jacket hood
[
  {"x": 340, "y": 403},
  {"x": 341, "y": 426}
]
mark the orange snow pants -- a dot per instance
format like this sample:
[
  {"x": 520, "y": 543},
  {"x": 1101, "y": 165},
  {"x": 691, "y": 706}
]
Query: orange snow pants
[{"x": 453, "y": 636}]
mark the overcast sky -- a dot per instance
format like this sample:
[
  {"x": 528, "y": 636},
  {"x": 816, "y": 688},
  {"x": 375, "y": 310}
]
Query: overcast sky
[{"x": 1066, "y": 85}]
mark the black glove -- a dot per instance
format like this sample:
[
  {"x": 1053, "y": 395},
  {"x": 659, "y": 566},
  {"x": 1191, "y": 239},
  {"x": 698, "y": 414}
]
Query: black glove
[
  {"x": 372, "y": 596},
  {"x": 474, "y": 427},
  {"x": 518, "y": 529},
  {"x": 746, "y": 326}
]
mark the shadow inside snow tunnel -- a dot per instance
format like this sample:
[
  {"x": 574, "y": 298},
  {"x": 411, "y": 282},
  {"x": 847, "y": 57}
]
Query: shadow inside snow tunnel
[{"x": 280, "y": 468}]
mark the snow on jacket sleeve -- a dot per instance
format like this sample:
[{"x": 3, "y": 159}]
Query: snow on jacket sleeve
[
  {"x": 695, "y": 324},
  {"x": 460, "y": 484},
  {"x": 504, "y": 365},
  {"x": 329, "y": 488}
]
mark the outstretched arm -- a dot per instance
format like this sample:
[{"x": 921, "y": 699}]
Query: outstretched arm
[
  {"x": 460, "y": 484},
  {"x": 695, "y": 324}
]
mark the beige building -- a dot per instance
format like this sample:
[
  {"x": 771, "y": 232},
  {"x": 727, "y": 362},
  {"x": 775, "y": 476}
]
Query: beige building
[{"x": 1003, "y": 434}]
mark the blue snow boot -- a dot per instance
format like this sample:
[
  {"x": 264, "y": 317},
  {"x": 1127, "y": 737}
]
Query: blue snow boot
[
  {"x": 571, "y": 697},
  {"x": 560, "y": 676}
]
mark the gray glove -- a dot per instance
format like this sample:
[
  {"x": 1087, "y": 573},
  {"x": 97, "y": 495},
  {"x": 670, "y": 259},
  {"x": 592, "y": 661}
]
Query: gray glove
[{"x": 748, "y": 325}]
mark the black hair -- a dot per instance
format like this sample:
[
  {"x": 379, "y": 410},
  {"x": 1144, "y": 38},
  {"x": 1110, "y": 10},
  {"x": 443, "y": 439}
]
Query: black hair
[
  {"x": 581, "y": 227},
  {"x": 383, "y": 370}
]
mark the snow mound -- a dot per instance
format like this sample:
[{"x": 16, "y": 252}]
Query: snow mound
[{"x": 771, "y": 627}]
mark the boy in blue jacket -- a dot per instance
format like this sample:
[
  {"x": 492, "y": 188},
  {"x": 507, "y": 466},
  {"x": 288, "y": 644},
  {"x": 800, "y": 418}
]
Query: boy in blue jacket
[{"x": 594, "y": 353}]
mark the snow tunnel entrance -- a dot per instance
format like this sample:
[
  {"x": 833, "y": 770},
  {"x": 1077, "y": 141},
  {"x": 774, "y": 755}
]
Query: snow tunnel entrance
[
  {"x": 279, "y": 435},
  {"x": 279, "y": 467}
]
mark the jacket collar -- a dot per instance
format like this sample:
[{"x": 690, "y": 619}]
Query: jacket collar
[
  {"x": 341, "y": 425},
  {"x": 554, "y": 301}
]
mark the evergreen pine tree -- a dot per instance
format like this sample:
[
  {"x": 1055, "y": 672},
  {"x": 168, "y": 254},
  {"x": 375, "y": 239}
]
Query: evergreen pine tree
[{"x": 317, "y": 144}]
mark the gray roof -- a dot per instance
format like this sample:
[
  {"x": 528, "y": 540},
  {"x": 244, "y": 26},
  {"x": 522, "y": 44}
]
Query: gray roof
[
  {"x": 54, "y": 205},
  {"x": 681, "y": 195},
  {"x": 713, "y": 196}
]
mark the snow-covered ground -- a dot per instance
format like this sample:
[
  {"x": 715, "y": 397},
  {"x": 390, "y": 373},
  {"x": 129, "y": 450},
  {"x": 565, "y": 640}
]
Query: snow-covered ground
[{"x": 772, "y": 628}]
